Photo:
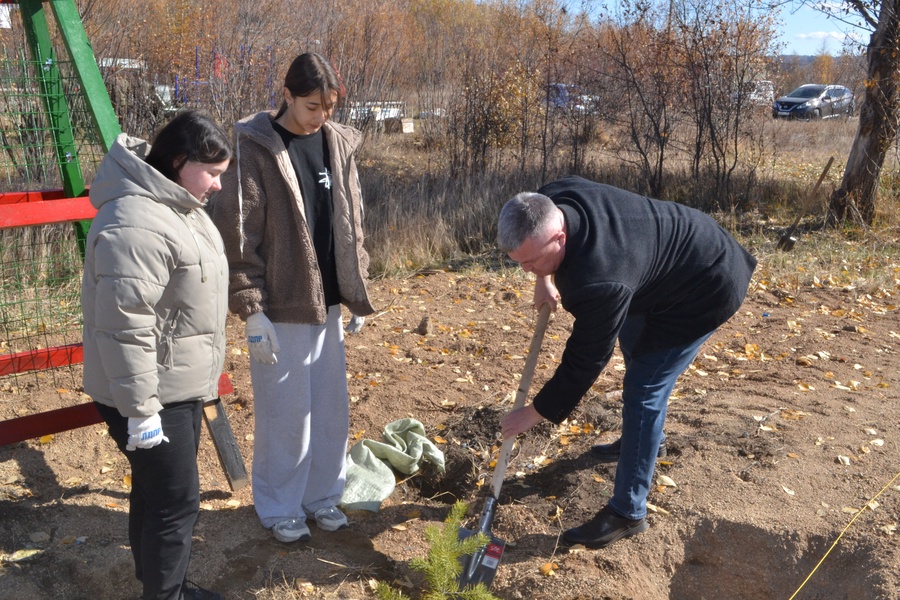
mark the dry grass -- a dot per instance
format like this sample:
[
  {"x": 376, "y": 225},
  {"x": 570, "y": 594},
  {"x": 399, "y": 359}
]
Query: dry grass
[{"x": 418, "y": 215}]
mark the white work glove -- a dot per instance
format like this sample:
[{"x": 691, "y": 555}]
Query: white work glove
[
  {"x": 145, "y": 432},
  {"x": 355, "y": 324},
  {"x": 261, "y": 339}
]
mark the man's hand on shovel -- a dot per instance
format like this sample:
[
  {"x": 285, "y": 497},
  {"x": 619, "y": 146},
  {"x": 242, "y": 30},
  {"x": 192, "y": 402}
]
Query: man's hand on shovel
[
  {"x": 520, "y": 421},
  {"x": 545, "y": 293}
]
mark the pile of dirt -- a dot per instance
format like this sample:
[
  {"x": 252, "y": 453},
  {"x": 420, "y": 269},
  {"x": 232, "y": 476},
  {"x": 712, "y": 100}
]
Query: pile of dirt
[{"x": 779, "y": 436}]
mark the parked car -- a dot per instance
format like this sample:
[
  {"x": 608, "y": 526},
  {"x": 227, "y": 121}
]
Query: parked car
[{"x": 814, "y": 101}]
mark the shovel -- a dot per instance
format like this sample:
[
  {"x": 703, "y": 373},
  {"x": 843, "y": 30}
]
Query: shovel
[
  {"x": 787, "y": 241},
  {"x": 481, "y": 566}
]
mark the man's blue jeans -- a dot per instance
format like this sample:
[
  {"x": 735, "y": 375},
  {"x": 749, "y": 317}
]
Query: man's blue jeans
[{"x": 649, "y": 379}]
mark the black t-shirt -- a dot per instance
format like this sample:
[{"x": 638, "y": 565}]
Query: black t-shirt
[{"x": 311, "y": 160}]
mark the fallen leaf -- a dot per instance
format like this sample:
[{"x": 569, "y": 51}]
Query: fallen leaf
[
  {"x": 666, "y": 481},
  {"x": 656, "y": 509},
  {"x": 21, "y": 555},
  {"x": 46, "y": 439},
  {"x": 878, "y": 443},
  {"x": 793, "y": 415},
  {"x": 844, "y": 460},
  {"x": 548, "y": 569},
  {"x": 439, "y": 440},
  {"x": 233, "y": 504},
  {"x": 788, "y": 491},
  {"x": 399, "y": 527},
  {"x": 849, "y": 510},
  {"x": 890, "y": 529}
]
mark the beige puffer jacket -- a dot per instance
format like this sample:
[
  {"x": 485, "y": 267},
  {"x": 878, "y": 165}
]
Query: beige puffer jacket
[{"x": 155, "y": 289}]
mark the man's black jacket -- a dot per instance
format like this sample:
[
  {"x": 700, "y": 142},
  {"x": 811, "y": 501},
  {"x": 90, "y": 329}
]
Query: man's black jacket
[{"x": 631, "y": 255}]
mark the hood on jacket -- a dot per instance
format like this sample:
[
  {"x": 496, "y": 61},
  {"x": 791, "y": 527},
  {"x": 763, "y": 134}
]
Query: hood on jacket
[
  {"x": 258, "y": 127},
  {"x": 125, "y": 172}
]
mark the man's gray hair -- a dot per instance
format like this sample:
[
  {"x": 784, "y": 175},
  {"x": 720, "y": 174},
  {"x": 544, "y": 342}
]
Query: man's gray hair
[{"x": 525, "y": 216}]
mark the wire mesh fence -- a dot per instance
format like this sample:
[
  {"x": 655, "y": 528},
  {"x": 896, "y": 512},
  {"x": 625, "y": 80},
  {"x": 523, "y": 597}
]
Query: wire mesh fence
[
  {"x": 40, "y": 306},
  {"x": 30, "y": 153},
  {"x": 40, "y": 265}
]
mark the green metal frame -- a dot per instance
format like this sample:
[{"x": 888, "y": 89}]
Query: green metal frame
[
  {"x": 90, "y": 81},
  {"x": 87, "y": 71}
]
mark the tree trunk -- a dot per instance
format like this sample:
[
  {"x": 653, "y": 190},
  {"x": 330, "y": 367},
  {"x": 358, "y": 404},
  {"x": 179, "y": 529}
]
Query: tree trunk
[{"x": 877, "y": 124}]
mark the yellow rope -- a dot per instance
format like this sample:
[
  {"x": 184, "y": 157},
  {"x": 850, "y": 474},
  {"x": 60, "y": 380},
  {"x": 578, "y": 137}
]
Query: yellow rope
[{"x": 859, "y": 512}]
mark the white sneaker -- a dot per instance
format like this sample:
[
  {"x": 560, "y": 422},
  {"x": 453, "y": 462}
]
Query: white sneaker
[
  {"x": 291, "y": 530},
  {"x": 331, "y": 519}
]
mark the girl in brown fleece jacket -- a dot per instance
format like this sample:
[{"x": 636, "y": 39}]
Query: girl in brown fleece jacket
[{"x": 290, "y": 214}]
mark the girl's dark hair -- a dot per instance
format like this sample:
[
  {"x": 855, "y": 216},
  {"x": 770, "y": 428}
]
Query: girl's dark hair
[
  {"x": 309, "y": 73},
  {"x": 190, "y": 136}
]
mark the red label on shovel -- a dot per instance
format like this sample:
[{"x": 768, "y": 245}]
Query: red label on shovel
[{"x": 492, "y": 556}]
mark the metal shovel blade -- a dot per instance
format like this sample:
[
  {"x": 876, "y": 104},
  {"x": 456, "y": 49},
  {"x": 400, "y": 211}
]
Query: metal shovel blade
[
  {"x": 481, "y": 566},
  {"x": 786, "y": 242}
]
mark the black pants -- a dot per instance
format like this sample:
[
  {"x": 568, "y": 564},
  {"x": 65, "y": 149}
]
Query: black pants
[{"x": 164, "y": 499}]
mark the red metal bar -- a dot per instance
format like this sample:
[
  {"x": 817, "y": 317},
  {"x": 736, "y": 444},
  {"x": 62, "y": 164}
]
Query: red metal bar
[
  {"x": 31, "y": 196},
  {"x": 45, "y": 358},
  {"x": 48, "y": 422},
  {"x": 52, "y": 421},
  {"x": 23, "y": 209}
]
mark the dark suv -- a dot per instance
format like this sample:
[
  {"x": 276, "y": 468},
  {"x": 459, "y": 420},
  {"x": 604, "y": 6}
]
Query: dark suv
[{"x": 813, "y": 101}]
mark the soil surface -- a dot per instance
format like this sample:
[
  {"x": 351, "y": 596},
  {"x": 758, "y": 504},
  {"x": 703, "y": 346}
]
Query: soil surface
[{"x": 779, "y": 437}]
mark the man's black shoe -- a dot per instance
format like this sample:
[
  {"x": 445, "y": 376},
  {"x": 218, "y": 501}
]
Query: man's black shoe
[
  {"x": 191, "y": 591},
  {"x": 604, "y": 529},
  {"x": 609, "y": 453}
]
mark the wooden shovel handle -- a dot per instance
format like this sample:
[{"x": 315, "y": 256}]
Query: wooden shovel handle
[
  {"x": 521, "y": 395},
  {"x": 809, "y": 198}
]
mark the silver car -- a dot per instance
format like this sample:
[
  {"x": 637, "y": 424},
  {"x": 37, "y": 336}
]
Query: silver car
[{"x": 814, "y": 101}]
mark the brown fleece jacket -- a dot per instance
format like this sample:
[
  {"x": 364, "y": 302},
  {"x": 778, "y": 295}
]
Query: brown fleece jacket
[{"x": 270, "y": 252}]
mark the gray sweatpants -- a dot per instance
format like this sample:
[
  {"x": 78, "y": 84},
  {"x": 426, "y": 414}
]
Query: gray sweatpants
[{"x": 302, "y": 417}]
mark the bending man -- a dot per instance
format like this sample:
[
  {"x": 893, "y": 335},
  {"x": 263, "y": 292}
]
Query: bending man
[{"x": 658, "y": 277}]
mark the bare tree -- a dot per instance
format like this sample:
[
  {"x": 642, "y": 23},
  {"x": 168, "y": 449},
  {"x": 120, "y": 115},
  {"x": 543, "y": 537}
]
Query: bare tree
[
  {"x": 640, "y": 53},
  {"x": 724, "y": 48},
  {"x": 878, "y": 115}
]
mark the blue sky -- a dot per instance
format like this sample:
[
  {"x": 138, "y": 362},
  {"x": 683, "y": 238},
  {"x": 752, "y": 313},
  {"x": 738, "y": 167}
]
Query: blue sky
[{"x": 804, "y": 30}]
